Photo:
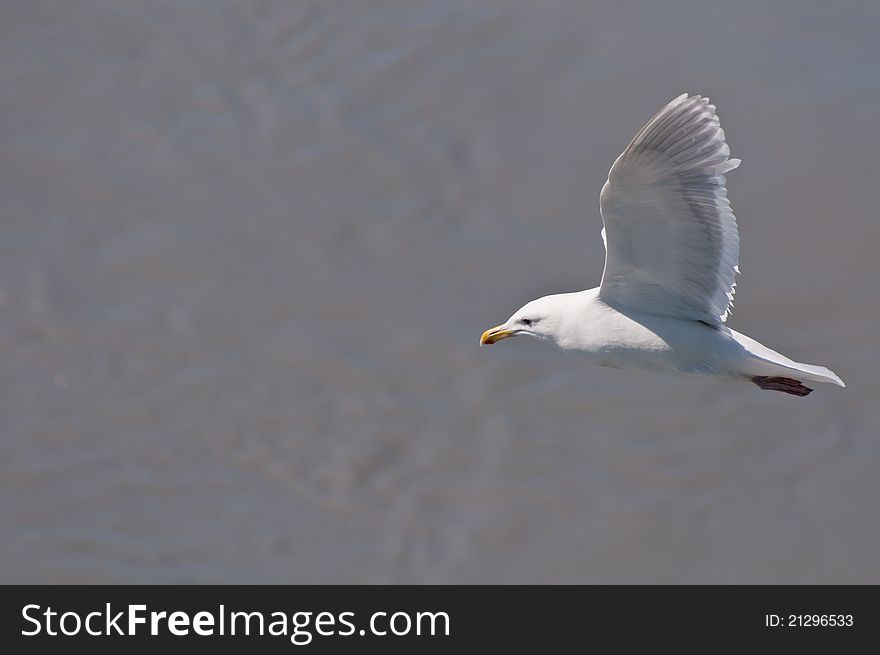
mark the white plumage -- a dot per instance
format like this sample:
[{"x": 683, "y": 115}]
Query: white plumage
[
  {"x": 671, "y": 238},
  {"x": 672, "y": 248}
]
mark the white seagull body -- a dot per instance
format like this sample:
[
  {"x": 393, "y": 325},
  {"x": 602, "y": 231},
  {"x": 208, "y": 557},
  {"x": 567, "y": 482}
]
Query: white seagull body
[{"x": 672, "y": 248}]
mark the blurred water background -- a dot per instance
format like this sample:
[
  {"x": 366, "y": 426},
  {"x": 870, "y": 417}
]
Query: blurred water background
[{"x": 248, "y": 249}]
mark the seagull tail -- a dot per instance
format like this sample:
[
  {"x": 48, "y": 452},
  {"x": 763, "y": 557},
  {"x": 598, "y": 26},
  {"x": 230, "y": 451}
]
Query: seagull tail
[
  {"x": 772, "y": 370},
  {"x": 818, "y": 374}
]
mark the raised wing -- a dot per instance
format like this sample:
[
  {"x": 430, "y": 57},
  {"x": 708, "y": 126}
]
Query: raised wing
[{"x": 670, "y": 236}]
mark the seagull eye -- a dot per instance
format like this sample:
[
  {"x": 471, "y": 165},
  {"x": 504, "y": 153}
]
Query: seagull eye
[{"x": 527, "y": 322}]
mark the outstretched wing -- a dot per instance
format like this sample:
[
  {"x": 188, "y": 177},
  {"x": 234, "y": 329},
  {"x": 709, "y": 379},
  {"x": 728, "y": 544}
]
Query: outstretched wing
[{"x": 670, "y": 236}]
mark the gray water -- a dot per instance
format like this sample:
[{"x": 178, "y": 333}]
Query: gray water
[{"x": 248, "y": 249}]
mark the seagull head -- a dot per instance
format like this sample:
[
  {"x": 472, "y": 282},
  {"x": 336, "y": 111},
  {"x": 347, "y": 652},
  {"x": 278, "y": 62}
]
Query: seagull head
[{"x": 543, "y": 318}]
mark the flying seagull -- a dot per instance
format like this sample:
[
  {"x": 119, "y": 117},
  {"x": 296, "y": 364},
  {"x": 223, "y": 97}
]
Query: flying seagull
[{"x": 671, "y": 252}]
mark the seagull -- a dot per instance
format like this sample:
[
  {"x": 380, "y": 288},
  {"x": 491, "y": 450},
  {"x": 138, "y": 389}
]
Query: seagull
[{"x": 671, "y": 253}]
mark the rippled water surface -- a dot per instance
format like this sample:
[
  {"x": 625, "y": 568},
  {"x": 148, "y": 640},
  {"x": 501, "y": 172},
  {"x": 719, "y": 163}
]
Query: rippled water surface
[{"x": 248, "y": 249}]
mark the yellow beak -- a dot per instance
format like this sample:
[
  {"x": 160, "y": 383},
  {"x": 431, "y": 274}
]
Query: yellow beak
[{"x": 494, "y": 334}]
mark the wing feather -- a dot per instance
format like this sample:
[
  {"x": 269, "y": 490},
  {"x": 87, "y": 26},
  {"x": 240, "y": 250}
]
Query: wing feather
[{"x": 671, "y": 239}]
